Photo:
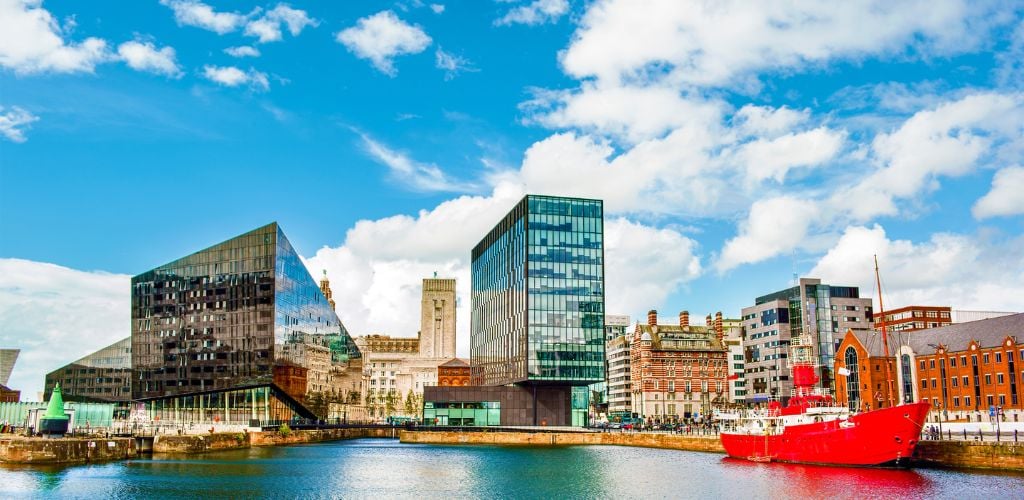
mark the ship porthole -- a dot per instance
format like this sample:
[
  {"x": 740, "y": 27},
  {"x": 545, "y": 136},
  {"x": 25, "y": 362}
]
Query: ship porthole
[
  {"x": 898, "y": 439},
  {"x": 906, "y": 415}
]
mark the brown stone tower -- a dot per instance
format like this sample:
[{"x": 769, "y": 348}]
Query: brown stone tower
[
  {"x": 325, "y": 287},
  {"x": 437, "y": 318}
]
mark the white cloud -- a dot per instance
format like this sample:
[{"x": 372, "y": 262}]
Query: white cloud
[
  {"x": 242, "y": 51},
  {"x": 200, "y": 15},
  {"x": 451, "y": 63},
  {"x": 752, "y": 120},
  {"x": 437, "y": 8},
  {"x": 144, "y": 56},
  {"x": 949, "y": 140},
  {"x": 31, "y": 41},
  {"x": 536, "y": 12},
  {"x": 645, "y": 265},
  {"x": 727, "y": 43},
  {"x": 381, "y": 37},
  {"x": 230, "y": 76},
  {"x": 418, "y": 176},
  {"x": 774, "y": 158},
  {"x": 965, "y": 272},
  {"x": 1006, "y": 196},
  {"x": 268, "y": 27},
  {"x": 56, "y": 315},
  {"x": 14, "y": 121},
  {"x": 629, "y": 113},
  {"x": 773, "y": 226}
]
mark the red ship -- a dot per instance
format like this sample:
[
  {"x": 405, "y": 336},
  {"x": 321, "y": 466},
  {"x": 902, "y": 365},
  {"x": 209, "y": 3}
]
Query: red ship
[{"x": 812, "y": 429}]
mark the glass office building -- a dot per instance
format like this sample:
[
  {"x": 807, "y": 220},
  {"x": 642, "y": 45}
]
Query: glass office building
[
  {"x": 538, "y": 295},
  {"x": 104, "y": 375},
  {"x": 221, "y": 318}
]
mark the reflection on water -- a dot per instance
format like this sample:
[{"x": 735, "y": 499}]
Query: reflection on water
[{"x": 377, "y": 468}]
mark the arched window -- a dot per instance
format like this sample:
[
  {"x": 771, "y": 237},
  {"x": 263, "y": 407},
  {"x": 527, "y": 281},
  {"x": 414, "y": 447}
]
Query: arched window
[
  {"x": 853, "y": 379},
  {"x": 908, "y": 383}
]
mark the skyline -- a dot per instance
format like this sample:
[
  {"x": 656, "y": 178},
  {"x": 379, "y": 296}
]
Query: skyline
[{"x": 733, "y": 148}]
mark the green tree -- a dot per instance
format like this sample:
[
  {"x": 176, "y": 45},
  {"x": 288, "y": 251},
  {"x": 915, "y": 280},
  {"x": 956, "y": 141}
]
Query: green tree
[
  {"x": 391, "y": 402},
  {"x": 410, "y": 403}
]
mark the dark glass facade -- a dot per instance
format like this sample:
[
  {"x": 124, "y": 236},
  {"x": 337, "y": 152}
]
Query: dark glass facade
[
  {"x": 538, "y": 295},
  {"x": 104, "y": 375},
  {"x": 219, "y": 318}
]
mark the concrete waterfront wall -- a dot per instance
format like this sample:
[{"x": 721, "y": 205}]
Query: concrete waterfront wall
[
  {"x": 647, "y": 440},
  {"x": 240, "y": 440},
  {"x": 970, "y": 454},
  {"x": 65, "y": 450}
]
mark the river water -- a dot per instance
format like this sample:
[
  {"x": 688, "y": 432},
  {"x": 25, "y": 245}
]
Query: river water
[{"x": 383, "y": 469}]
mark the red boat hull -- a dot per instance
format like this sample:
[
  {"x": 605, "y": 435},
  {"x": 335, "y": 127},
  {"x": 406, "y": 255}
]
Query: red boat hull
[{"x": 877, "y": 438}]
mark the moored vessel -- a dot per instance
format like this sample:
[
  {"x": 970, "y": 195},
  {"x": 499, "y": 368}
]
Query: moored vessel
[{"x": 813, "y": 429}]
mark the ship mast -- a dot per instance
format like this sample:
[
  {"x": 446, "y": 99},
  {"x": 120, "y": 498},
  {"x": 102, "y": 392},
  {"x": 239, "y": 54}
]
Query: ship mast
[{"x": 885, "y": 335}]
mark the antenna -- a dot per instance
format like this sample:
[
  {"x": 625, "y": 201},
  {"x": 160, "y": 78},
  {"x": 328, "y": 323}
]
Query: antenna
[{"x": 885, "y": 334}]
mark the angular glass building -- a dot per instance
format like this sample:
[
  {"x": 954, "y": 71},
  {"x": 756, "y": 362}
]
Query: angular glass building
[
  {"x": 231, "y": 317},
  {"x": 538, "y": 295},
  {"x": 103, "y": 376}
]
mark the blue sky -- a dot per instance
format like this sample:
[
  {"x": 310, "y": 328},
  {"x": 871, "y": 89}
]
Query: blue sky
[{"x": 734, "y": 147}]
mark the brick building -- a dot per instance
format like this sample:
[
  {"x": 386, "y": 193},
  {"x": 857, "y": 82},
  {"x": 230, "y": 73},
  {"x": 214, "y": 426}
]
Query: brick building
[
  {"x": 453, "y": 373},
  {"x": 678, "y": 371},
  {"x": 964, "y": 369},
  {"x": 914, "y": 318}
]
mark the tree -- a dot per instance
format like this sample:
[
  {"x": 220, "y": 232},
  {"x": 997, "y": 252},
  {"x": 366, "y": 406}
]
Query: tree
[
  {"x": 410, "y": 403},
  {"x": 391, "y": 402}
]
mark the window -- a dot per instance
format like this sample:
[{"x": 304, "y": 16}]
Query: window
[
  {"x": 934, "y": 385},
  {"x": 999, "y": 378},
  {"x": 956, "y": 401},
  {"x": 965, "y": 381},
  {"x": 967, "y": 401},
  {"x": 985, "y": 359},
  {"x": 952, "y": 362},
  {"x": 954, "y": 381},
  {"x": 991, "y": 400},
  {"x": 922, "y": 364},
  {"x": 931, "y": 363},
  {"x": 924, "y": 384},
  {"x": 1002, "y": 400},
  {"x": 853, "y": 379},
  {"x": 988, "y": 379},
  {"x": 999, "y": 357}
]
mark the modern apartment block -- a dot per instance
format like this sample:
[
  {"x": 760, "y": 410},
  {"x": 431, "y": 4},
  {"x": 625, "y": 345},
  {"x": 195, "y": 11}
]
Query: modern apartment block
[
  {"x": 219, "y": 335},
  {"x": 103, "y": 376},
  {"x": 620, "y": 391},
  {"x": 537, "y": 321},
  {"x": 824, "y": 311},
  {"x": 913, "y": 318}
]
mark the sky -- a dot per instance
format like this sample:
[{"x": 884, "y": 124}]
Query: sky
[{"x": 735, "y": 145}]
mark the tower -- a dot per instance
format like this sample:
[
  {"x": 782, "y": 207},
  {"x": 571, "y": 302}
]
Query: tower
[
  {"x": 437, "y": 318},
  {"x": 325, "y": 287}
]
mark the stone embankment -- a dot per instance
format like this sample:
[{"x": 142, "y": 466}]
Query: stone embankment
[
  {"x": 642, "y": 439},
  {"x": 28, "y": 450},
  {"x": 970, "y": 454},
  {"x": 203, "y": 443}
]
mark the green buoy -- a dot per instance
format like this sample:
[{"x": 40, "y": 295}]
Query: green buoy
[{"x": 54, "y": 423}]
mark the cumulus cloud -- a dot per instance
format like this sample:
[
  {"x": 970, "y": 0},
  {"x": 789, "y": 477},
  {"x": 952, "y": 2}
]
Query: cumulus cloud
[
  {"x": 230, "y": 76},
  {"x": 645, "y": 265},
  {"x": 14, "y": 121},
  {"x": 948, "y": 140},
  {"x": 963, "y": 271},
  {"x": 56, "y": 315},
  {"x": 774, "y": 158},
  {"x": 536, "y": 12},
  {"x": 31, "y": 41},
  {"x": 773, "y": 226},
  {"x": 267, "y": 28},
  {"x": 242, "y": 51},
  {"x": 144, "y": 56},
  {"x": 200, "y": 15},
  {"x": 382, "y": 37},
  {"x": 1006, "y": 196},
  {"x": 726, "y": 44},
  {"x": 437, "y": 8}
]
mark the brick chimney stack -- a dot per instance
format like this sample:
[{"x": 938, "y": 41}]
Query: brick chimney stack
[
  {"x": 719, "y": 332},
  {"x": 684, "y": 319},
  {"x": 709, "y": 322},
  {"x": 652, "y": 317}
]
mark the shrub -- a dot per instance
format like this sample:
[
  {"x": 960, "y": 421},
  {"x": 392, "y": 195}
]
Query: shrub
[{"x": 284, "y": 430}]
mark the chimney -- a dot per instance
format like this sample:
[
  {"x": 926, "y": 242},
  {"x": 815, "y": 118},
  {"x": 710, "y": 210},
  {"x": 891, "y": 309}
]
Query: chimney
[
  {"x": 652, "y": 317},
  {"x": 709, "y": 322},
  {"x": 684, "y": 319},
  {"x": 718, "y": 326}
]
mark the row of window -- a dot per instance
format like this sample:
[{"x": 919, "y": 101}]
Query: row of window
[{"x": 985, "y": 359}]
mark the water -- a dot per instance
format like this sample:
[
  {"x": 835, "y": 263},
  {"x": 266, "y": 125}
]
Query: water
[{"x": 384, "y": 469}]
